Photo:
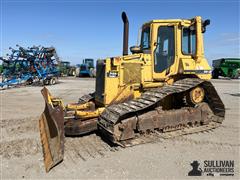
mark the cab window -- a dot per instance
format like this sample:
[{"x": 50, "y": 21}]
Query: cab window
[
  {"x": 145, "y": 39},
  {"x": 165, "y": 51},
  {"x": 188, "y": 41}
]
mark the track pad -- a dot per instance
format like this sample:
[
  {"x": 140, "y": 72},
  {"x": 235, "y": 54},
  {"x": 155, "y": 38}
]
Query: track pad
[{"x": 51, "y": 125}]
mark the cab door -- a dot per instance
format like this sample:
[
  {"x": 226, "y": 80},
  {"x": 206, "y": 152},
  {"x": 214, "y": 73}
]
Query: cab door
[{"x": 163, "y": 51}]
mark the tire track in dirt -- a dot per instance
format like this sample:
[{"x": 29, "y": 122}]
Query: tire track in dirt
[
  {"x": 21, "y": 137},
  {"x": 92, "y": 146},
  {"x": 19, "y": 148},
  {"x": 86, "y": 148},
  {"x": 210, "y": 138},
  {"x": 13, "y": 122},
  {"x": 19, "y": 126},
  {"x": 203, "y": 142},
  {"x": 22, "y": 128},
  {"x": 202, "y": 138}
]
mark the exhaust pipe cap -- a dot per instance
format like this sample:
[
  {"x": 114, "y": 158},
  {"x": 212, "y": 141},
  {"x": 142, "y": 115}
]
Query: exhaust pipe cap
[{"x": 125, "y": 33}]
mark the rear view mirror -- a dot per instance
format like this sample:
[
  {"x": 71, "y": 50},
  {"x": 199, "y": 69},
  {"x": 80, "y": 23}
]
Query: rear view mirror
[
  {"x": 135, "y": 49},
  {"x": 204, "y": 24}
]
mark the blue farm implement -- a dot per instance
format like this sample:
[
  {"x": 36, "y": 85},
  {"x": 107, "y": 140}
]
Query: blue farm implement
[{"x": 30, "y": 65}]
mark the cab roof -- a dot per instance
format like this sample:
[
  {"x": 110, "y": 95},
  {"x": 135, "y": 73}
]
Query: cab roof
[{"x": 168, "y": 21}]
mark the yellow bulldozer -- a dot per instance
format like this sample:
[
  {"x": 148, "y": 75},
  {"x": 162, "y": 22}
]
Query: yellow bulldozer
[{"x": 163, "y": 87}]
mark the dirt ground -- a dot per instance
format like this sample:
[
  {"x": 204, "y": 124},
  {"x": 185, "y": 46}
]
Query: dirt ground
[{"x": 89, "y": 157}]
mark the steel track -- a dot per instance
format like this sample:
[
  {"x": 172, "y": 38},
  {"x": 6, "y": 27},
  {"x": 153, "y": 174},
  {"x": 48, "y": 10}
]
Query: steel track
[{"x": 152, "y": 99}]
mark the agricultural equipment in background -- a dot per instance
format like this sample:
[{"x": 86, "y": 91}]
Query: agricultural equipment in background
[
  {"x": 226, "y": 67},
  {"x": 161, "y": 89},
  {"x": 30, "y": 65},
  {"x": 86, "y": 69},
  {"x": 66, "y": 69}
]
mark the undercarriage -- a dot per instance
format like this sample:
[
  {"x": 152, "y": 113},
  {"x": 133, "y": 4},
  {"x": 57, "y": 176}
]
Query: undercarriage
[{"x": 162, "y": 110}]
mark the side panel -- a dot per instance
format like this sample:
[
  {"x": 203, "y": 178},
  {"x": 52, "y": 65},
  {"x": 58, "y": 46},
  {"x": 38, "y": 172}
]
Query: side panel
[
  {"x": 147, "y": 72},
  {"x": 123, "y": 77},
  {"x": 100, "y": 81},
  {"x": 111, "y": 81},
  {"x": 131, "y": 73}
]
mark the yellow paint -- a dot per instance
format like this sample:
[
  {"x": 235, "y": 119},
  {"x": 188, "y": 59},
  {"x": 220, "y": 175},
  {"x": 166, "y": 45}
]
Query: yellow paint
[
  {"x": 199, "y": 49},
  {"x": 197, "y": 95},
  {"x": 76, "y": 106},
  {"x": 153, "y": 85},
  {"x": 57, "y": 102},
  {"x": 88, "y": 114}
]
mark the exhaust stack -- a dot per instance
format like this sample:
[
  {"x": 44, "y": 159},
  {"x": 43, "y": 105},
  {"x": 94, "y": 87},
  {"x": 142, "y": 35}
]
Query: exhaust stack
[{"x": 125, "y": 33}]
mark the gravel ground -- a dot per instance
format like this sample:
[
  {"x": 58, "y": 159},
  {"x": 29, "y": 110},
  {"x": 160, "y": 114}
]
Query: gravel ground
[{"x": 90, "y": 157}]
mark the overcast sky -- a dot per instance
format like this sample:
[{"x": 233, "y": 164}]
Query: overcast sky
[{"x": 93, "y": 29}]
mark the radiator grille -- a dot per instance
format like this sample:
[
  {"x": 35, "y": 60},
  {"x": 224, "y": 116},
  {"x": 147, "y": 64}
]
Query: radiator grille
[{"x": 132, "y": 73}]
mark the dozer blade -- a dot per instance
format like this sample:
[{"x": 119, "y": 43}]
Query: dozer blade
[{"x": 51, "y": 125}]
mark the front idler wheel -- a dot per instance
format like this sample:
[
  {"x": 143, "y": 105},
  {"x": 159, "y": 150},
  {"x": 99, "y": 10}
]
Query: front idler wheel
[{"x": 195, "y": 96}]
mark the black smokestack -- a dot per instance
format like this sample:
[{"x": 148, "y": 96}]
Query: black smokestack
[{"x": 125, "y": 33}]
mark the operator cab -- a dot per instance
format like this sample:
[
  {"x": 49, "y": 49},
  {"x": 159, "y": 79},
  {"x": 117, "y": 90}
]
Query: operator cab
[{"x": 168, "y": 40}]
